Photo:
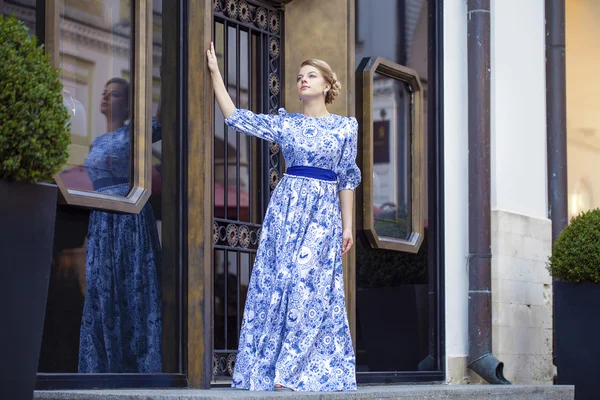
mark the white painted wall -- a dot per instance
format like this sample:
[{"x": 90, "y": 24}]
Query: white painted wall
[
  {"x": 518, "y": 114},
  {"x": 521, "y": 231},
  {"x": 456, "y": 176}
]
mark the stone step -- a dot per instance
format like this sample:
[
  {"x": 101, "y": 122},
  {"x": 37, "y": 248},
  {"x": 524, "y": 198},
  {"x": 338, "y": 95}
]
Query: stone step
[{"x": 403, "y": 392}]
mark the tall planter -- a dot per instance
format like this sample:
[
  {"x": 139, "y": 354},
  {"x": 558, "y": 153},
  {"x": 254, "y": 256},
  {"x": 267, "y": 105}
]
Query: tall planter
[
  {"x": 27, "y": 213},
  {"x": 575, "y": 266},
  {"x": 577, "y": 321}
]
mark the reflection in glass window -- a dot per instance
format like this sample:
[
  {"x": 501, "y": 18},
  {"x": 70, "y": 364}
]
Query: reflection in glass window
[
  {"x": 97, "y": 91},
  {"x": 391, "y": 157},
  {"x": 105, "y": 305},
  {"x": 24, "y": 10}
]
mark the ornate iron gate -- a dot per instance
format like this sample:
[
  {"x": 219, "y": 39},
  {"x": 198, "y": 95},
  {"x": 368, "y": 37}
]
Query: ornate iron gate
[{"x": 247, "y": 36}]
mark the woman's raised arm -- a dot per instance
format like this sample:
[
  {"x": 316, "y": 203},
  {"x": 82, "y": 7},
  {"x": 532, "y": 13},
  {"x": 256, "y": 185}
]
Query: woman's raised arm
[{"x": 225, "y": 103}]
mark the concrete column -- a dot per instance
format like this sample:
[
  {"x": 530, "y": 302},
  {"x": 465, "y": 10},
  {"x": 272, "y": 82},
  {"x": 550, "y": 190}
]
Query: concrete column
[{"x": 456, "y": 188}]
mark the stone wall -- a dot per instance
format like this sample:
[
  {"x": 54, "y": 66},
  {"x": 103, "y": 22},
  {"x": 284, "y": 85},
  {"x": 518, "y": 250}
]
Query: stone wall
[{"x": 522, "y": 296}]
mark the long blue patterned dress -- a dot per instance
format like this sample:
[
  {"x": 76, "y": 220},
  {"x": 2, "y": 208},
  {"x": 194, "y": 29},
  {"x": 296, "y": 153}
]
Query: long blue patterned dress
[
  {"x": 295, "y": 327},
  {"x": 121, "y": 328}
]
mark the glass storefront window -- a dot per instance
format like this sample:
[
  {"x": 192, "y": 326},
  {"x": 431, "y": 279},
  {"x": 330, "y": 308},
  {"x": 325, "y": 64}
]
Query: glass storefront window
[
  {"x": 399, "y": 337},
  {"x": 25, "y": 10},
  {"x": 112, "y": 300}
]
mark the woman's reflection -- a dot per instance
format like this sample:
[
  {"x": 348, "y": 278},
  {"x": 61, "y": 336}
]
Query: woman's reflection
[{"x": 121, "y": 325}]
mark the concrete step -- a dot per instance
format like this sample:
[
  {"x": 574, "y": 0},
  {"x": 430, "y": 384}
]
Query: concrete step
[{"x": 403, "y": 392}]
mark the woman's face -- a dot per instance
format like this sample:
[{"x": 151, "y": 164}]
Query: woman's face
[
  {"x": 114, "y": 101},
  {"x": 310, "y": 83}
]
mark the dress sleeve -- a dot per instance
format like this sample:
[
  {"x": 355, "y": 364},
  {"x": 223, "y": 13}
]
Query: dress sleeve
[
  {"x": 263, "y": 126},
  {"x": 349, "y": 176},
  {"x": 156, "y": 130}
]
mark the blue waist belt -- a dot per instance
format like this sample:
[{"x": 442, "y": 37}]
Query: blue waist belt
[{"x": 312, "y": 172}]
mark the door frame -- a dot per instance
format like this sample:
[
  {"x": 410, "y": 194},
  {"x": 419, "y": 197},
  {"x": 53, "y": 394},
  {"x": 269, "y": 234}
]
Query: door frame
[
  {"x": 435, "y": 191},
  {"x": 198, "y": 195}
]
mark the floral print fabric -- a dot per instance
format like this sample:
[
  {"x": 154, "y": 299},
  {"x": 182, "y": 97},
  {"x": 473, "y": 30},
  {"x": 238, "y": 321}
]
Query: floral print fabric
[
  {"x": 295, "y": 328},
  {"x": 121, "y": 328}
]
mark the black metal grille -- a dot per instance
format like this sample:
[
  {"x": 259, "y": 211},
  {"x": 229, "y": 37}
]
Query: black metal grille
[{"x": 247, "y": 36}]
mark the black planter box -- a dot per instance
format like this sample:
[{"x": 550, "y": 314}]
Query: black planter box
[
  {"x": 27, "y": 214},
  {"x": 577, "y": 330}
]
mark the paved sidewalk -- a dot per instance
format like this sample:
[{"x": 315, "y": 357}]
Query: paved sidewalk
[{"x": 402, "y": 392}]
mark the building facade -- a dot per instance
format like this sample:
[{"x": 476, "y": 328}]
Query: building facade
[{"x": 403, "y": 65}]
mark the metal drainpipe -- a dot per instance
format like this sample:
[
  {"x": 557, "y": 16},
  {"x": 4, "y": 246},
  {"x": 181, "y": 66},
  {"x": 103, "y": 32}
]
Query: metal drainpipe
[
  {"x": 481, "y": 360},
  {"x": 556, "y": 123},
  {"x": 556, "y": 116}
]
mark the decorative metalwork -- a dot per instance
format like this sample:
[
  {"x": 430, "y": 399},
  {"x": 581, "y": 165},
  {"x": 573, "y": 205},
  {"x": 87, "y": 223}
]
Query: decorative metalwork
[
  {"x": 274, "y": 84},
  {"x": 231, "y": 363},
  {"x": 261, "y": 18},
  {"x": 244, "y": 12},
  {"x": 244, "y": 235},
  {"x": 268, "y": 20},
  {"x": 232, "y": 8},
  {"x": 274, "y": 22},
  {"x": 215, "y": 364},
  {"x": 215, "y": 233},
  {"x": 254, "y": 237},
  {"x": 274, "y": 148},
  {"x": 232, "y": 235},
  {"x": 224, "y": 363},
  {"x": 246, "y": 30},
  {"x": 222, "y": 233},
  {"x": 273, "y": 48},
  {"x": 274, "y": 178},
  {"x": 235, "y": 235}
]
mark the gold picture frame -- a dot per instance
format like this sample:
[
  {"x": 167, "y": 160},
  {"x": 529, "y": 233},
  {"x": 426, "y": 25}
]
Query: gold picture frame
[{"x": 368, "y": 68}]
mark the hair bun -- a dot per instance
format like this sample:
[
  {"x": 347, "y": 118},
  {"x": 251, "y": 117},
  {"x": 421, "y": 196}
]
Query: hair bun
[{"x": 336, "y": 88}]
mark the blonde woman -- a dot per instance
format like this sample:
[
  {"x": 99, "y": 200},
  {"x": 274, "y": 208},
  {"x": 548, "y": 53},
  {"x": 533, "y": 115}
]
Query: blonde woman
[{"x": 295, "y": 331}]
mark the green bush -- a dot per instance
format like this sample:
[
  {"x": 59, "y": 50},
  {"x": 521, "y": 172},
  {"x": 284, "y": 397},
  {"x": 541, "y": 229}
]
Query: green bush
[
  {"x": 576, "y": 252},
  {"x": 34, "y": 129}
]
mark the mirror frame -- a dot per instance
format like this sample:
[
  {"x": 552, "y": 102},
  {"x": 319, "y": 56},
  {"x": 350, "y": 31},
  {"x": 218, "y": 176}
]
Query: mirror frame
[
  {"x": 410, "y": 77},
  {"x": 141, "y": 116}
]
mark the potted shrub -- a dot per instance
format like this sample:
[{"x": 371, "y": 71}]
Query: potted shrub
[
  {"x": 34, "y": 136},
  {"x": 575, "y": 266}
]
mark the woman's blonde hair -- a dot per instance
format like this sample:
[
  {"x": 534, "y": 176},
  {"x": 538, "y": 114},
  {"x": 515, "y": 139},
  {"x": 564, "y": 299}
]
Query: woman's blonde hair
[{"x": 328, "y": 75}]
